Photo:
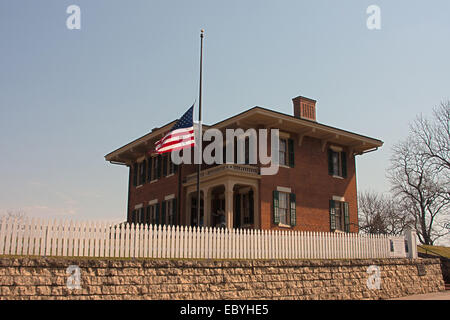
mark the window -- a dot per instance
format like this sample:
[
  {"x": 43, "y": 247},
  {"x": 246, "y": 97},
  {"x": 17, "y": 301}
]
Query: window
[
  {"x": 337, "y": 163},
  {"x": 141, "y": 215},
  {"x": 284, "y": 208},
  {"x": 154, "y": 168},
  {"x": 142, "y": 168},
  {"x": 286, "y": 152},
  {"x": 168, "y": 212},
  {"x": 152, "y": 214},
  {"x": 169, "y": 167},
  {"x": 137, "y": 216},
  {"x": 339, "y": 216}
]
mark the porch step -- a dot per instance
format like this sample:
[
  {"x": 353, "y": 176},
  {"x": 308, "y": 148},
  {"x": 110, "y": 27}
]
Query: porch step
[{"x": 447, "y": 286}]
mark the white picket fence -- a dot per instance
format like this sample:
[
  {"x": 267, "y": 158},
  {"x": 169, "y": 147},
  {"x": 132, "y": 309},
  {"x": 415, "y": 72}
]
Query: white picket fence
[{"x": 41, "y": 237}]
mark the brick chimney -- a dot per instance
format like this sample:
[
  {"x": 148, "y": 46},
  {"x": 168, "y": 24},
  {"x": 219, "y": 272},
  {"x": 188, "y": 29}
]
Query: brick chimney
[{"x": 304, "y": 108}]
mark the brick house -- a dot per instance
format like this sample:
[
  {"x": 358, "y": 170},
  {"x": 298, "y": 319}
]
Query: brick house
[{"x": 314, "y": 189}]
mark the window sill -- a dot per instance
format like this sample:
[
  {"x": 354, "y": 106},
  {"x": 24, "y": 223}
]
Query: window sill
[
  {"x": 284, "y": 166},
  {"x": 169, "y": 175},
  {"x": 153, "y": 181},
  {"x": 282, "y": 225},
  {"x": 338, "y": 177},
  {"x": 139, "y": 186}
]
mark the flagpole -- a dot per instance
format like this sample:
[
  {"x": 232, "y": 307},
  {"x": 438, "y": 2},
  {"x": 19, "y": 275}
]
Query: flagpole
[{"x": 200, "y": 129}]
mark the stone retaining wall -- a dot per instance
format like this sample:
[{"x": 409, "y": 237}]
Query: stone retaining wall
[{"x": 46, "y": 278}]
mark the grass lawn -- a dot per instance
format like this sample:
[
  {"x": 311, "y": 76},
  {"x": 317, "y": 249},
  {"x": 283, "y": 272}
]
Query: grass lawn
[{"x": 434, "y": 250}]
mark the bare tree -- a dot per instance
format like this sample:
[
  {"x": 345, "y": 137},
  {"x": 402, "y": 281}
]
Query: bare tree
[
  {"x": 420, "y": 188},
  {"x": 434, "y": 137},
  {"x": 19, "y": 214},
  {"x": 380, "y": 214}
]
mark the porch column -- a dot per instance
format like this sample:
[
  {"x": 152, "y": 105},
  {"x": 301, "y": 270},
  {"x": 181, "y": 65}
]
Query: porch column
[{"x": 229, "y": 205}]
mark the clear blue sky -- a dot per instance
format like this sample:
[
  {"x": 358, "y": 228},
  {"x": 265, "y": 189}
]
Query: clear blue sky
[{"x": 68, "y": 97}]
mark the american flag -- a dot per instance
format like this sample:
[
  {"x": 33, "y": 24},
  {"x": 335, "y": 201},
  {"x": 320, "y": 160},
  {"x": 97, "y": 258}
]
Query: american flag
[{"x": 180, "y": 136}]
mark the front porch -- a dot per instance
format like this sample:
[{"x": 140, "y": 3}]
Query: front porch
[{"x": 229, "y": 197}]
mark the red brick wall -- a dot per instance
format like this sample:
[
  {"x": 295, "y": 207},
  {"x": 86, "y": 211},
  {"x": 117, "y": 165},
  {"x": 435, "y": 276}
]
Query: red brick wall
[
  {"x": 313, "y": 187},
  {"x": 309, "y": 180}
]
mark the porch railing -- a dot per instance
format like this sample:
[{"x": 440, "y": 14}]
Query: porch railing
[{"x": 232, "y": 167}]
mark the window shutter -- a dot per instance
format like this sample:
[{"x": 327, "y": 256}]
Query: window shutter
[
  {"x": 163, "y": 213},
  {"x": 344, "y": 164},
  {"x": 135, "y": 173},
  {"x": 330, "y": 162},
  {"x": 174, "y": 211},
  {"x": 142, "y": 215},
  {"x": 164, "y": 166},
  {"x": 157, "y": 213},
  {"x": 332, "y": 216},
  {"x": 293, "y": 209},
  {"x": 291, "y": 153},
  {"x": 158, "y": 167},
  {"x": 346, "y": 218},
  {"x": 130, "y": 175},
  {"x": 276, "y": 213},
  {"x": 251, "y": 206},
  {"x": 144, "y": 167},
  {"x": 149, "y": 169}
]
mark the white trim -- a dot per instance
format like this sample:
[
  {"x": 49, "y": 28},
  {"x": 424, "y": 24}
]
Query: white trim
[
  {"x": 337, "y": 198},
  {"x": 138, "y": 206},
  {"x": 169, "y": 197},
  {"x": 336, "y": 148},
  {"x": 151, "y": 202},
  {"x": 284, "y": 135},
  {"x": 284, "y": 189},
  {"x": 282, "y": 225}
]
